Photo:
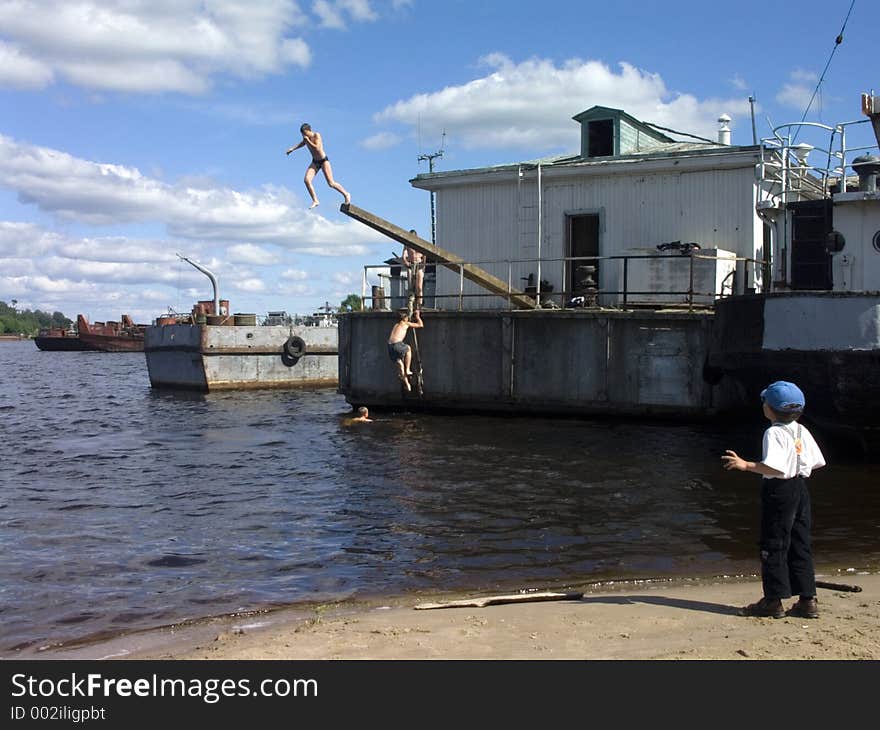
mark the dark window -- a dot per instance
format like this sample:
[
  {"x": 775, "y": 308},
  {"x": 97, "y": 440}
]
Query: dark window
[{"x": 600, "y": 138}]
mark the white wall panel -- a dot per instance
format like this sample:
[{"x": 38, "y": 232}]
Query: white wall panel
[{"x": 496, "y": 221}]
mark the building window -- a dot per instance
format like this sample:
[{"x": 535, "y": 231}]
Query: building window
[{"x": 600, "y": 140}]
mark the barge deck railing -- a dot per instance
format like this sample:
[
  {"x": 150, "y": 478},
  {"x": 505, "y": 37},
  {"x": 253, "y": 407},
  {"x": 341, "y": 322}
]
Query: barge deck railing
[{"x": 589, "y": 294}]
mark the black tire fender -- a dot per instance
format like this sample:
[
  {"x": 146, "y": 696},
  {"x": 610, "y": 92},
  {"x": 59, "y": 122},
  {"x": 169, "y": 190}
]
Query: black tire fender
[{"x": 295, "y": 346}]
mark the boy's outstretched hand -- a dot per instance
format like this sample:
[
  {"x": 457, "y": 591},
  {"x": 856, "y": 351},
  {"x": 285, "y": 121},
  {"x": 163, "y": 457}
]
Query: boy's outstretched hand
[{"x": 733, "y": 461}]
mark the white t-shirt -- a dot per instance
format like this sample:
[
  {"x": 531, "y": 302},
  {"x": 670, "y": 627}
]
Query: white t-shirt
[{"x": 791, "y": 449}]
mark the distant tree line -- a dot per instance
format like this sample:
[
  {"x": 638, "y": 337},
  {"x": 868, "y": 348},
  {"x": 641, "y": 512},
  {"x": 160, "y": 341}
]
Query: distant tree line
[
  {"x": 24, "y": 321},
  {"x": 352, "y": 303}
]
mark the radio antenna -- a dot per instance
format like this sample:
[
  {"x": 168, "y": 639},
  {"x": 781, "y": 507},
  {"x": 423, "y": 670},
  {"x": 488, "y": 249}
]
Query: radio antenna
[{"x": 430, "y": 157}]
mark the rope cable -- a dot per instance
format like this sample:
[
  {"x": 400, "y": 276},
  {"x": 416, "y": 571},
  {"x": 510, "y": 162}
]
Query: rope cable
[
  {"x": 837, "y": 41},
  {"x": 683, "y": 134}
]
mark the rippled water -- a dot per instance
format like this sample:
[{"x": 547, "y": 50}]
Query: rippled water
[{"x": 122, "y": 507}]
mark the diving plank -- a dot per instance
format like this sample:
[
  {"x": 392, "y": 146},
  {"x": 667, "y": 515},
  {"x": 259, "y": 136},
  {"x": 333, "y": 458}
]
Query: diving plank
[{"x": 441, "y": 256}]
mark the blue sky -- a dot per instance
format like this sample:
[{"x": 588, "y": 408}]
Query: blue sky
[{"x": 134, "y": 129}]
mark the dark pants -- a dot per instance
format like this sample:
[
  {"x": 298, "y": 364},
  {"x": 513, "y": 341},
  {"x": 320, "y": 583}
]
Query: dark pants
[{"x": 786, "y": 557}]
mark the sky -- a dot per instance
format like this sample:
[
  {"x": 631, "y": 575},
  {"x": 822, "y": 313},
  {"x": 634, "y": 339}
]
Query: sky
[{"x": 135, "y": 130}]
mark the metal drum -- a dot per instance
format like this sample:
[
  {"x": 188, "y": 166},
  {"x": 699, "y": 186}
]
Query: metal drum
[{"x": 245, "y": 320}]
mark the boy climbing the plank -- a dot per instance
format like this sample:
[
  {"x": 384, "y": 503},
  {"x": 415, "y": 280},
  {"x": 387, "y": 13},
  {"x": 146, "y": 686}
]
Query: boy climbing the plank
[
  {"x": 399, "y": 352},
  {"x": 320, "y": 163},
  {"x": 790, "y": 455},
  {"x": 415, "y": 264}
]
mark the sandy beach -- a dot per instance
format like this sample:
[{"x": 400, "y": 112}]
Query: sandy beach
[{"x": 684, "y": 619}]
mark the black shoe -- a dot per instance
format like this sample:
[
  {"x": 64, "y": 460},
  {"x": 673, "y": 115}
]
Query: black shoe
[
  {"x": 766, "y": 607},
  {"x": 805, "y": 608}
]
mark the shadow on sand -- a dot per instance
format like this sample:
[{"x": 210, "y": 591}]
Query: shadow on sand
[{"x": 661, "y": 601}]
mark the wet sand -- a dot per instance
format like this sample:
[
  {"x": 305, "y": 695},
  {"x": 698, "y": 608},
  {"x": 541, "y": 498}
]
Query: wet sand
[{"x": 687, "y": 619}]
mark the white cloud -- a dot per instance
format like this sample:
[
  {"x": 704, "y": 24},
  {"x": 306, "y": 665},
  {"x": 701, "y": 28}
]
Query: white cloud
[
  {"x": 252, "y": 285},
  {"x": 103, "y": 194},
  {"x": 329, "y": 13},
  {"x": 112, "y": 272},
  {"x": 739, "y": 82},
  {"x": 359, "y": 10},
  {"x": 163, "y": 45},
  {"x": 18, "y": 70},
  {"x": 381, "y": 141},
  {"x": 45, "y": 284},
  {"x": 25, "y": 239},
  {"x": 798, "y": 92},
  {"x": 794, "y": 95},
  {"x": 332, "y": 13},
  {"x": 255, "y": 113},
  {"x": 296, "y": 51},
  {"x": 299, "y": 290},
  {"x": 529, "y": 105},
  {"x": 50, "y": 270},
  {"x": 115, "y": 249},
  {"x": 343, "y": 250},
  {"x": 247, "y": 253},
  {"x": 345, "y": 278},
  {"x": 799, "y": 74}
]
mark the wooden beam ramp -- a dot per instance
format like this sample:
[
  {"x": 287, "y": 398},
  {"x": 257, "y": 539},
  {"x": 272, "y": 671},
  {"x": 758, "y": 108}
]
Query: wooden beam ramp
[{"x": 438, "y": 255}]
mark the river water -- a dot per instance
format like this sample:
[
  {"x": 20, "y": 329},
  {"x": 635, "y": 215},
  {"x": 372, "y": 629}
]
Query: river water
[{"x": 122, "y": 507}]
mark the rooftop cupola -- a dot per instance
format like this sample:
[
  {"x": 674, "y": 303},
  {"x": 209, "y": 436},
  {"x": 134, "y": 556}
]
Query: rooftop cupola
[{"x": 607, "y": 132}]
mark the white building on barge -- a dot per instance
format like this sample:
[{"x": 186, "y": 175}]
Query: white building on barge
[{"x": 631, "y": 189}]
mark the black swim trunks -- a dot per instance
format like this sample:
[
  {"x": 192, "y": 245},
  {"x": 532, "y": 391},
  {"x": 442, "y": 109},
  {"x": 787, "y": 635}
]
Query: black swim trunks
[
  {"x": 318, "y": 164},
  {"x": 397, "y": 350}
]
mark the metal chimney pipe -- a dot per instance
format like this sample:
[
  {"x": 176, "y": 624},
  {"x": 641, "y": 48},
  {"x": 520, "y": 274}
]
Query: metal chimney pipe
[
  {"x": 724, "y": 131},
  {"x": 867, "y": 167}
]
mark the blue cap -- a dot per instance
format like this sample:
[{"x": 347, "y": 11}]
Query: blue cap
[{"x": 783, "y": 397}]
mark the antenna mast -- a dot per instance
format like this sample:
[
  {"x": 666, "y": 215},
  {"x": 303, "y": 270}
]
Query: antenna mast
[{"x": 430, "y": 158}]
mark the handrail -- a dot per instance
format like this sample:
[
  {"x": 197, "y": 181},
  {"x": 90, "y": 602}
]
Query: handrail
[
  {"x": 784, "y": 163},
  {"x": 625, "y": 293}
]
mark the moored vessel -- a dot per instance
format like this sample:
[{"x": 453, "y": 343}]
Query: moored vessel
[
  {"x": 212, "y": 349},
  {"x": 820, "y": 326},
  {"x": 59, "y": 339},
  {"x": 122, "y": 336}
]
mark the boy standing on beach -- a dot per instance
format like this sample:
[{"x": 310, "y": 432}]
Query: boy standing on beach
[
  {"x": 320, "y": 163},
  {"x": 790, "y": 455},
  {"x": 399, "y": 352}
]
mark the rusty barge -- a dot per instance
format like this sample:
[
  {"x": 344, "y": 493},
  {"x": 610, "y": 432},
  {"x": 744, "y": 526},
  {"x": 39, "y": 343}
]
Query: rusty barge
[{"x": 211, "y": 349}]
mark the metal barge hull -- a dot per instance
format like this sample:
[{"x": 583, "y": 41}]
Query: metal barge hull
[
  {"x": 210, "y": 358},
  {"x": 827, "y": 342},
  {"x": 578, "y": 362},
  {"x": 65, "y": 343},
  {"x": 112, "y": 343}
]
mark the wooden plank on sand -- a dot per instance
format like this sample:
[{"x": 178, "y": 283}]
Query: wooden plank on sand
[{"x": 497, "y": 600}]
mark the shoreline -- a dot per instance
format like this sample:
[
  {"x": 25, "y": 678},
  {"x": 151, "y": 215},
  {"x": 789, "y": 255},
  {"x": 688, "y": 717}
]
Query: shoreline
[{"x": 655, "y": 618}]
